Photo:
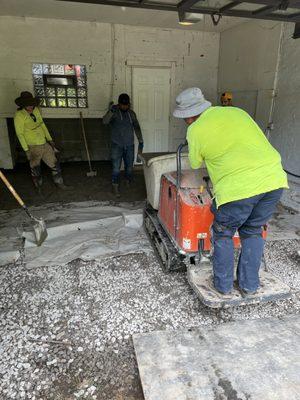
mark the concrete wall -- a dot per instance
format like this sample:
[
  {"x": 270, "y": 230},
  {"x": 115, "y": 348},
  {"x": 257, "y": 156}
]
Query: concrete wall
[
  {"x": 6, "y": 156},
  {"x": 259, "y": 63},
  {"x": 109, "y": 52},
  {"x": 247, "y": 66},
  {"x": 286, "y": 117}
]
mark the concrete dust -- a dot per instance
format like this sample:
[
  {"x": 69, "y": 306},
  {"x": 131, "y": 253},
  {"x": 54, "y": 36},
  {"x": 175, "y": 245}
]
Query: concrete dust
[{"x": 66, "y": 330}]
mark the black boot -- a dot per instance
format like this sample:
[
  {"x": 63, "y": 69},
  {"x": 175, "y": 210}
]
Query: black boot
[
  {"x": 58, "y": 179},
  {"x": 116, "y": 190},
  {"x": 37, "y": 179}
]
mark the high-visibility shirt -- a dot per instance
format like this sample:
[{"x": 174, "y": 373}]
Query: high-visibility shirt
[
  {"x": 31, "y": 132},
  {"x": 240, "y": 160}
]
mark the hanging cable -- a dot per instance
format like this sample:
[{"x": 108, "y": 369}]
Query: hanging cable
[{"x": 291, "y": 173}]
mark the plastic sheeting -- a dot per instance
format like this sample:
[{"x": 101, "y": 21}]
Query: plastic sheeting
[
  {"x": 87, "y": 230},
  {"x": 91, "y": 230}
]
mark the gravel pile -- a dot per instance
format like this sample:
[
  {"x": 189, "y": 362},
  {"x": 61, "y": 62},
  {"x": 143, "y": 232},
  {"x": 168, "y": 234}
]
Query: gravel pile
[{"x": 66, "y": 331}]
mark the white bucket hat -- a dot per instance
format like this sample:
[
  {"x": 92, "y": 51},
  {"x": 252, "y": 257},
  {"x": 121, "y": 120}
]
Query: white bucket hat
[{"x": 190, "y": 103}]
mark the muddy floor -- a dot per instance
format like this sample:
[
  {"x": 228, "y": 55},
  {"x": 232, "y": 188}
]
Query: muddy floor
[
  {"x": 83, "y": 187},
  {"x": 66, "y": 331}
]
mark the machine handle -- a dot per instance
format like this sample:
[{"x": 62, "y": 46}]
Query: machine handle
[
  {"x": 206, "y": 180},
  {"x": 178, "y": 182},
  {"x": 178, "y": 159}
]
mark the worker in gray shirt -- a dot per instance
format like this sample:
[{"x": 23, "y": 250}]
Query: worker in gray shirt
[{"x": 124, "y": 124}]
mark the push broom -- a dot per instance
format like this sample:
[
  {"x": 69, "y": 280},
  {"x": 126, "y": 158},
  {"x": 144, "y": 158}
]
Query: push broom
[
  {"x": 39, "y": 226},
  {"x": 91, "y": 171}
]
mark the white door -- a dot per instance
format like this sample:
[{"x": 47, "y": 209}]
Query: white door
[{"x": 151, "y": 102}]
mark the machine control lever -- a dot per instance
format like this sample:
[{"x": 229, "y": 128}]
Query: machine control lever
[{"x": 206, "y": 180}]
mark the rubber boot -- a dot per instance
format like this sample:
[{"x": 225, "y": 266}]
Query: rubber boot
[
  {"x": 116, "y": 190},
  {"x": 37, "y": 179},
  {"x": 38, "y": 186},
  {"x": 62, "y": 186},
  {"x": 58, "y": 179}
]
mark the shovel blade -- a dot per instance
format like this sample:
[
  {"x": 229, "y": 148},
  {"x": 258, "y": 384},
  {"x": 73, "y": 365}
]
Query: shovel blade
[{"x": 40, "y": 231}]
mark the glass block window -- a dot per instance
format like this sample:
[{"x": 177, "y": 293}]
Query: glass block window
[{"x": 60, "y": 85}]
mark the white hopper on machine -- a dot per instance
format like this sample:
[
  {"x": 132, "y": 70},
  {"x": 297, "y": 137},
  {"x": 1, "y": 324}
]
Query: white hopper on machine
[{"x": 155, "y": 165}]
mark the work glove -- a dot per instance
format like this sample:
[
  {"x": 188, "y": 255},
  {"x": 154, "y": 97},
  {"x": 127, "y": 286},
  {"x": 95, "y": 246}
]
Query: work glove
[
  {"x": 140, "y": 151},
  {"x": 52, "y": 144},
  {"x": 27, "y": 153},
  {"x": 140, "y": 148}
]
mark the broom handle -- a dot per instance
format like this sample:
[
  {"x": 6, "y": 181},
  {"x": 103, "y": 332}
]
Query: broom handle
[
  {"x": 85, "y": 142},
  {"x": 12, "y": 190}
]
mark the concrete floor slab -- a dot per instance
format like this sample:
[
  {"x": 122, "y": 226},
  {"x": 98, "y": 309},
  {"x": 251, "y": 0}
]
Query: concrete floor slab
[{"x": 258, "y": 359}]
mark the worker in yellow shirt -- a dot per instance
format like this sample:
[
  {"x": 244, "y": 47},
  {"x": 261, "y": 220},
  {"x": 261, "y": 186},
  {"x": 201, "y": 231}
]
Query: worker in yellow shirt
[
  {"x": 248, "y": 181},
  {"x": 36, "y": 140},
  {"x": 226, "y": 99}
]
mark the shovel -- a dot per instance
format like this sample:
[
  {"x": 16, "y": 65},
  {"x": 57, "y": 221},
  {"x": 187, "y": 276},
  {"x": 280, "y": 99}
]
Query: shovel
[
  {"x": 39, "y": 226},
  {"x": 91, "y": 172}
]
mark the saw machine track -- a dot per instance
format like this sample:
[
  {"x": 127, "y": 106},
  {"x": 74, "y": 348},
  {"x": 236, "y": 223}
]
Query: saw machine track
[{"x": 164, "y": 248}]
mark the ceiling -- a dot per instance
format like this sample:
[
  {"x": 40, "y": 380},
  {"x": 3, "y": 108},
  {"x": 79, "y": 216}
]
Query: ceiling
[
  {"x": 111, "y": 14},
  {"x": 157, "y": 13}
]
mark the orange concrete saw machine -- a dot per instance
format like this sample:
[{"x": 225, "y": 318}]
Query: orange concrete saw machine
[{"x": 178, "y": 221}]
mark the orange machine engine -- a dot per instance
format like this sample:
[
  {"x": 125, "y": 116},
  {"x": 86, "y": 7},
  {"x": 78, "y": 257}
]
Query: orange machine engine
[{"x": 185, "y": 213}]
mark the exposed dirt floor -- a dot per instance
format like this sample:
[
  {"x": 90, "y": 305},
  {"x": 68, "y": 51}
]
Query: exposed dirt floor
[{"x": 74, "y": 173}]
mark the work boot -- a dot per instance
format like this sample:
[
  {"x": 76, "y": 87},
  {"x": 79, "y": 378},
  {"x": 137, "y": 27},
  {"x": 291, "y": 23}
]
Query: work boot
[
  {"x": 59, "y": 182},
  {"x": 247, "y": 293},
  {"x": 62, "y": 186},
  {"x": 37, "y": 182},
  {"x": 115, "y": 190},
  {"x": 40, "y": 191},
  {"x": 211, "y": 286}
]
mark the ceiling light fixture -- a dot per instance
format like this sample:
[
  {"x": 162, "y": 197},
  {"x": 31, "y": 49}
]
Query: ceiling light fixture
[{"x": 188, "y": 18}]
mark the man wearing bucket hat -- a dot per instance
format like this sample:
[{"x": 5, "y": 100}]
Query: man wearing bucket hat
[
  {"x": 248, "y": 181},
  {"x": 124, "y": 125},
  {"x": 36, "y": 140}
]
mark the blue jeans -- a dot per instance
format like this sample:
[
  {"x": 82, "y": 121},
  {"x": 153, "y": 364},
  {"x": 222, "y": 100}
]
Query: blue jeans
[
  {"x": 247, "y": 216},
  {"x": 119, "y": 153}
]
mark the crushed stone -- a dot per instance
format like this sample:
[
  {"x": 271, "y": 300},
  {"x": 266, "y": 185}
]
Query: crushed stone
[{"x": 66, "y": 330}]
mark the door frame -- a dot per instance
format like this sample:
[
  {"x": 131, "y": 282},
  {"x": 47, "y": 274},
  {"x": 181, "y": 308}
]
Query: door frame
[{"x": 171, "y": 65}]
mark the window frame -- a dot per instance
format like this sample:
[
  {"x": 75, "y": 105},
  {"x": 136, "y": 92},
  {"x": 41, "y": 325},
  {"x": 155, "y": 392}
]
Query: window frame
[{"x": 76, "y": 85}]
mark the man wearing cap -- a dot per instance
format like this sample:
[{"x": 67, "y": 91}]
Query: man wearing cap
[
  {"x": 226, "y": 99},
  {"x": 36, "y": 140},
  {"x": 248, "y": 181},
  {"x": 124, "y": 124}
]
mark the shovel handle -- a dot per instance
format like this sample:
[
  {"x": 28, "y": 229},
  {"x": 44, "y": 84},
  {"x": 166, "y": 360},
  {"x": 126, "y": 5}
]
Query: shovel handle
[
  {"x": 12, "y": 190},
  {"x": 85, "y": 141}
]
